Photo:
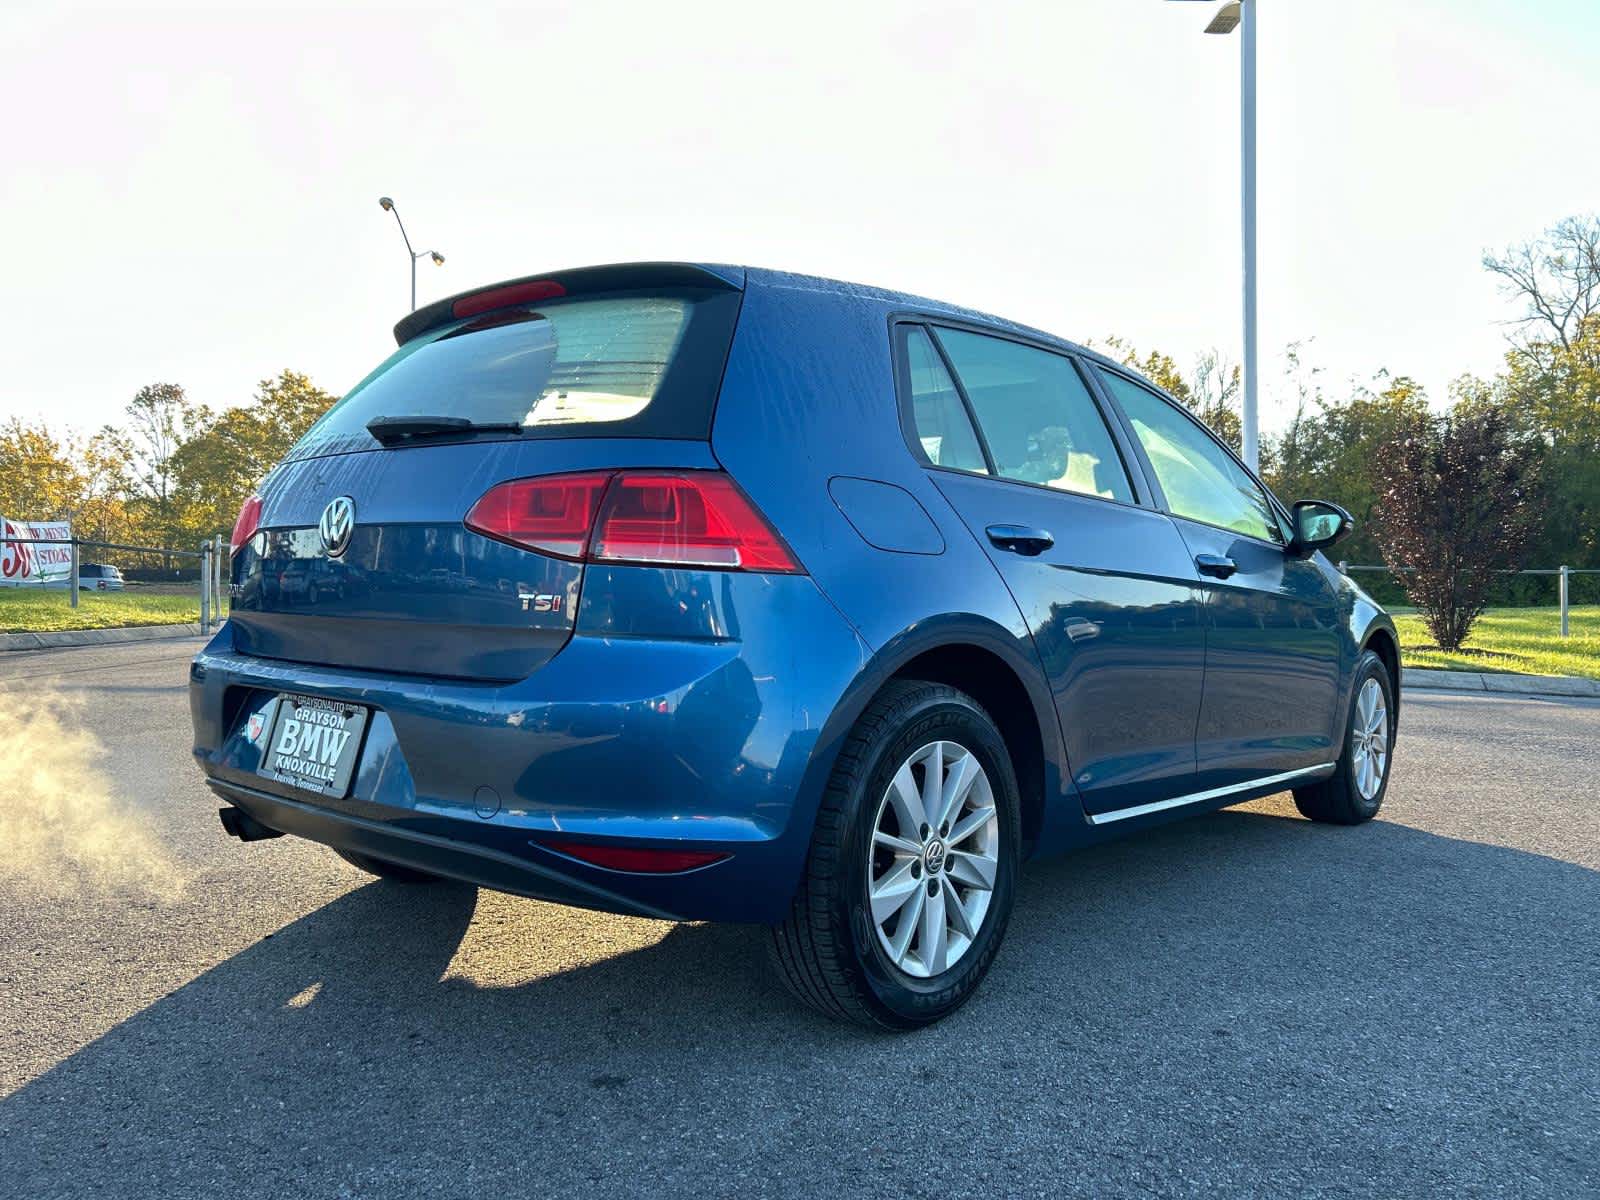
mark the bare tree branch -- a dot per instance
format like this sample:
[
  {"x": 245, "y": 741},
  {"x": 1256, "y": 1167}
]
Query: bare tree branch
[{"x": 1557, "y": 277}]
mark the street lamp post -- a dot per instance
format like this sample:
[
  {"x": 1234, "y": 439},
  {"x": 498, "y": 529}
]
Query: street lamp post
[
  {"x": 438, "y": 259},
  {"x": 1241, "y": 15}
]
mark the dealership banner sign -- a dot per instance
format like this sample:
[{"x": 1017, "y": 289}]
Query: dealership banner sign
[{"x": 29, "y": 564}]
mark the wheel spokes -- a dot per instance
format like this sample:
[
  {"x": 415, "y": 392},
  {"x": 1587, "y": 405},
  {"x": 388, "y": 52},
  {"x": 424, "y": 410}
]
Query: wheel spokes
[
  {"x": 935, "y": 924},
  {"x": 974, "y": 870},
  {"x": 910, "y": 920},
  {"x": 957, "y": 913},
  {"x": 932, "y": 783},
  {"x": 901, "y": 846},
  {"x": 891, "y": 893},
  {"x": 929, "y": 885},
  {"x": 907, "y": 802},
  {"x": 970, "y": 824},
  {"x": 957, "y": 788}
]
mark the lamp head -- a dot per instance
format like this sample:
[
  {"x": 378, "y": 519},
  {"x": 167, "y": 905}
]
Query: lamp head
[
  {"x": 386, "y": 204},
  {"x": 1226, "y": 19},
  {"x": 438, "y": 259}
]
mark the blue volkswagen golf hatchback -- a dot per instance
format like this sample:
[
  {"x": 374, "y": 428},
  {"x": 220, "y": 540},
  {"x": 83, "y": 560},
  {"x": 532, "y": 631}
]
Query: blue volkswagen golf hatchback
[{"x": 712, "y": 593}]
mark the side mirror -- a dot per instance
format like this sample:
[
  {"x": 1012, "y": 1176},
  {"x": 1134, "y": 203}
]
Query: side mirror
[{"x": 1318, "y": 525}]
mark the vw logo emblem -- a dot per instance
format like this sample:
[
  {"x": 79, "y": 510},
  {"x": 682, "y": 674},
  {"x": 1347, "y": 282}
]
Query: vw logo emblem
[
  {"x": 337, "y": 524},
  {"x": 934, "y": 857}
]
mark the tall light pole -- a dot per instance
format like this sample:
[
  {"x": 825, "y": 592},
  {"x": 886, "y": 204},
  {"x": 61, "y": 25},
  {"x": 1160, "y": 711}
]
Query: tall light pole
[
  {"x": 1241, "y": 15},
  {"x": 438, "y": 259}
]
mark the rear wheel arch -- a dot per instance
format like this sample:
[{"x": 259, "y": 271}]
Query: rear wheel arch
[
  {"x": 999, "y": 690},
  {"x": 970, "y": 653}
]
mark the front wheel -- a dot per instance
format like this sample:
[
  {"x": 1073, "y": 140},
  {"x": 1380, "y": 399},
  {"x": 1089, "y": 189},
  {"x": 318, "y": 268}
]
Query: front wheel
[
  {"x": 1354, "y": 792},
  {"x": 911, "y": 875}
]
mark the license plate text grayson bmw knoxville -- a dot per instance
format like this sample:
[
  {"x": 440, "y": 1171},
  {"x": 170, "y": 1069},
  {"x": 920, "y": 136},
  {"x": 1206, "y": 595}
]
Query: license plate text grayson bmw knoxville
[{"x": 311, "y": 743}]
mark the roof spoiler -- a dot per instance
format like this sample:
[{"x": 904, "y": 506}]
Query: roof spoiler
[{"x": 574, "y": 282}]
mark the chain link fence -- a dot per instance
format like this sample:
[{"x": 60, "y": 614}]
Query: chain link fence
[
  {"x": 143, "y": 574},
  {"x": 1560, "y": 587}
]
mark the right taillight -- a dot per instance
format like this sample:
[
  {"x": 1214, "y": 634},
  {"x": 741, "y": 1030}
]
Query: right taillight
[
  {"x": 653, "y": 518},
  {"x": 245, "y": 527}
]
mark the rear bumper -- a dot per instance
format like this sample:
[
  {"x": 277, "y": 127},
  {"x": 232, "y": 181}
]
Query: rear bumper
[
  {"x": 712, "y": 744},
  {"x": 464, "y": 859}
]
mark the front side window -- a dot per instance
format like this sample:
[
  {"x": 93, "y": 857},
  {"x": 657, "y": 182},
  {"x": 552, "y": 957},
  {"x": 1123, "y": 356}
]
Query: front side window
[
  {"x": 1199, "y": 477},
  {"x": 943, "y": 427},
  {"x": 1040, "y": 422}
]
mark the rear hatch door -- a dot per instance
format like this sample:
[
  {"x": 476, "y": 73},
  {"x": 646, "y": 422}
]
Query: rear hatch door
[{"x": 362, "y": 558}]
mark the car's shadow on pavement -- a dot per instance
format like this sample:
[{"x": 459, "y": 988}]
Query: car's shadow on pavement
[{"x": 1242, "y": 1002}]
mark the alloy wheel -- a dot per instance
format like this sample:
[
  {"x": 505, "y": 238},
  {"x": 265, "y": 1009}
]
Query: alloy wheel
[
  {"x": 934, "y": 856},
  {"x": 1369, "y": 739}
]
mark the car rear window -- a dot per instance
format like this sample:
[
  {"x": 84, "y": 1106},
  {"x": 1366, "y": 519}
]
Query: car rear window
[{"x": 618, "y": 365}]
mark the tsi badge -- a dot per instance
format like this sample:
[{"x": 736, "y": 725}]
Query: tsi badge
[
  {"x": 540, "y": 601},
  {"x": 337, "y": 524}
]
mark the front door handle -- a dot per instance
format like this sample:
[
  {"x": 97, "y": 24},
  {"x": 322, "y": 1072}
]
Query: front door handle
[
  {"x": 1020, "y": 539},
  {"x": 1218, "y": 565}
]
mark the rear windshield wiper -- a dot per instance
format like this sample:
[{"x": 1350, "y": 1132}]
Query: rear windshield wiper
[{"x": 389, "y": 430}]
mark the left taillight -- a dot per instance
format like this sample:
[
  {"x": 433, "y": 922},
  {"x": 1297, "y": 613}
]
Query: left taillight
[
  {"x": 245, "y": 527},
  {"x": 646, "y": 518},
  {"x": 553, "y": 514}
]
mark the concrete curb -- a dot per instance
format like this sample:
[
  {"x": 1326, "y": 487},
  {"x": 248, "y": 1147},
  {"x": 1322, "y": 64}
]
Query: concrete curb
[
  {"x": 95, "y": 637},
  {"x": 1496, "y": 682}
]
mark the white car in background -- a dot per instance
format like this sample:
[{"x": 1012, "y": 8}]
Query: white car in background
[{"x": 99, "y": 577}]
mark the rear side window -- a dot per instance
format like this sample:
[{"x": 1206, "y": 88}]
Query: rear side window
[
  {"x": 943, "y": 427},
  {"x": 1200, "y": 478},
  {"x": 621, "y": 365},
  {"x": 1037, "y": 416}
]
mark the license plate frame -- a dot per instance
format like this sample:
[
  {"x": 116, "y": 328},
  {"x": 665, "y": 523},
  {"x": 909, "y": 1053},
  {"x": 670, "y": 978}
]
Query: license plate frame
[{"x": 300, "y": 732}]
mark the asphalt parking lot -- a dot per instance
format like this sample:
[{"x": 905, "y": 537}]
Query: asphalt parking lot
[{"x": 1241, "y": 1004}]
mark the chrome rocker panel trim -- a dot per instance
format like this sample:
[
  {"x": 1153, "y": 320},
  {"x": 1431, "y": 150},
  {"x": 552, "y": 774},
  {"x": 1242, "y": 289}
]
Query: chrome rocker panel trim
[{"x": 1123, "y": 814}]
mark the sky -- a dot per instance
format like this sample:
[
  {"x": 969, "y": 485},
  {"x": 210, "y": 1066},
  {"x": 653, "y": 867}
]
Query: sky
[{"x": 190, "y": 195}]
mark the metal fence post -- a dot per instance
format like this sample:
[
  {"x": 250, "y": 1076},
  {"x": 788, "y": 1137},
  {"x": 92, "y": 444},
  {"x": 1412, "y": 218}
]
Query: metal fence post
[
  {"x": 1344, "y": 566},
  {"x": 1566, "y": 571},
  {"x": 223, "y": 565},
  {"x": 205, "y": 587},
  {"x": 72, "y": 575}
]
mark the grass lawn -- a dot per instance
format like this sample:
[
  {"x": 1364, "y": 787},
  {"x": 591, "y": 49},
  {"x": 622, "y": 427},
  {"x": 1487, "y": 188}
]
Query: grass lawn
[
  {"x": 1524, "y": 640},
  {"x": 27, "y": 610}
]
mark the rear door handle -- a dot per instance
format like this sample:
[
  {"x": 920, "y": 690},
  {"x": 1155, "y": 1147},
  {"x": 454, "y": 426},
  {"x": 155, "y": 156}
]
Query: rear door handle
[
  {"x": 1218, "y": 565},
  {"x": 1020, "y": 539}
]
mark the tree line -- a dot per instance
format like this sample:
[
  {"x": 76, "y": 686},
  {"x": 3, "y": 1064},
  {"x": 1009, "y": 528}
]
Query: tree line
[{"x": 170, "y": 474}]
